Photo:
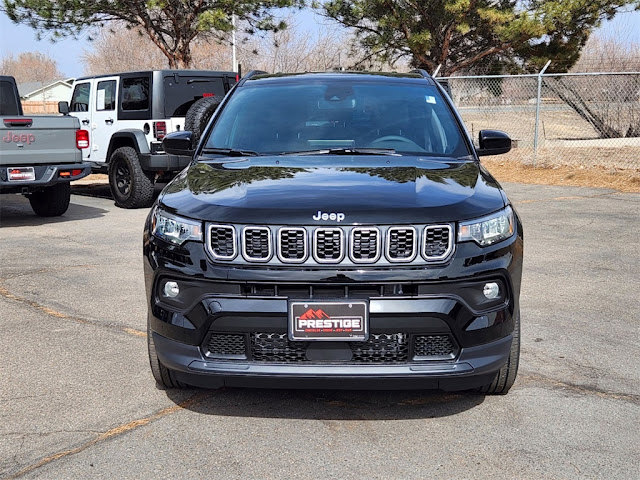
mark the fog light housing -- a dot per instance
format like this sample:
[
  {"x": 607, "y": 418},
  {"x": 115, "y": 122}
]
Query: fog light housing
[
  {"x": 171, "y": 289},
  {"x": 491, "y": 290}
]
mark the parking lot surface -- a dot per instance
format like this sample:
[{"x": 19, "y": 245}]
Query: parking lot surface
[{"x": 77, "y": 399}]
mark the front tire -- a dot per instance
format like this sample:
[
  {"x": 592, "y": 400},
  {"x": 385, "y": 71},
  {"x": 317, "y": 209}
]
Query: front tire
[
  {"x": 164, "y": 377},
  {"x": 506, "y": 376},
  {"x": 51, "y": 201},
  {"x": 130, "y": 186}
]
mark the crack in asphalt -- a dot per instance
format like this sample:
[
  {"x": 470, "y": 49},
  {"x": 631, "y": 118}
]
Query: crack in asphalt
[
  {"x": 84, "y": 321},
  {"x": 112, "y": 433},
  {"x": 580, "y": 389},
  {"x": 26, "y": 273}
]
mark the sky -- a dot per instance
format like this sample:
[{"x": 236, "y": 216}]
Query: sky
[{"x": 15, "y": 39}]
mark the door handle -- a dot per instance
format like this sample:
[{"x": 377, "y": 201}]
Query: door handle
[
  {"x": 109, "y": 121},
  {"x": 85, "y": 121}
]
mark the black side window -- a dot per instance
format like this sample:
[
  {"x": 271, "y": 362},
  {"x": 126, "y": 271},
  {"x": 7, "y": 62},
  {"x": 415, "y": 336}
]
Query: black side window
[
  {"x": 80, "y": 98},
  {"x": 8, "y": 104},
  {"x": 106, "y": 95},
  {"x": 135, "y": 93}
]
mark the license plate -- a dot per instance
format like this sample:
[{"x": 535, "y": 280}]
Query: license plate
[
  {"x": 21, "y": 174},
  {"x": 329, "y": 321}
]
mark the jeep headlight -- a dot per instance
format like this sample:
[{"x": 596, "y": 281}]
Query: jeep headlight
[
  {"x": 174, "y": 229},
  {"x": 488, "y": 230}
]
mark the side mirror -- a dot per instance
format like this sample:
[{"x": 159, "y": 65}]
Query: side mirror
[
  {"x": 493, "y": 142},
  {"x": 63, "y": 108},
  {"x": 178, "y": 143}
]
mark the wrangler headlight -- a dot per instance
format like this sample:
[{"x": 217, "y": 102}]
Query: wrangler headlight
[
  {"x": 488, "y": 230},
  {"x": 174, "y": 229}
]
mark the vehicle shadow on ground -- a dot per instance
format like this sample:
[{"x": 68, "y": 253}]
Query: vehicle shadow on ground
[
  {"x": 15, "y": 211},
  {"x": 329, "y": 404},
  {"x": 102, "y": 190}
]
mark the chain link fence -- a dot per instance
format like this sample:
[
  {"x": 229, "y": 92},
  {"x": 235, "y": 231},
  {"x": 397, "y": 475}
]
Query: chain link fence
[{"x": 581, "y": 119}]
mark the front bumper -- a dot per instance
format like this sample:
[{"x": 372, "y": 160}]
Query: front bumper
[
  {"x": 45, "y": 176},
  {"x": 474, "y": 367}
]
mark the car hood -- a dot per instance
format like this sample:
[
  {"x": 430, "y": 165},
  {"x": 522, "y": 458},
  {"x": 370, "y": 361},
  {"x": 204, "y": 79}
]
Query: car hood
[{"x": 291, "y": 190}]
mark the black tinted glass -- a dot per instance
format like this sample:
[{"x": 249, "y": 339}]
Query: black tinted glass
[
  {"x": 8, "y": 102},
  {"x": 135, "y": 93},
  {"x": 408, "y": 118}
]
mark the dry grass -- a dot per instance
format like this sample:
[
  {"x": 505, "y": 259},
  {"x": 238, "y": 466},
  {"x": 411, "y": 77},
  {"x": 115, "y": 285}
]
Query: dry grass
[{"x": 623, "y": 180}]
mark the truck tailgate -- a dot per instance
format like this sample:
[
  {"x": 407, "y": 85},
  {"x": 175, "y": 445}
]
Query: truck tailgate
[{"x": 46, "y": 140}]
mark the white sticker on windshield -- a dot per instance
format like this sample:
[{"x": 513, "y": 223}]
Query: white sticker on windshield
[{"x": 430, "y": 99}]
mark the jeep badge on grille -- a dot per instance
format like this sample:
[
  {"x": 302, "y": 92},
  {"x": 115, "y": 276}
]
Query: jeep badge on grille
[{"x": 328, "y": 216}]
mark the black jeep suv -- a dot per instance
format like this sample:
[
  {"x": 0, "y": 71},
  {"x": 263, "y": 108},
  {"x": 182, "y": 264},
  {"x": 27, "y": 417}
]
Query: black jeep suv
[{"x": 335, "y": 230}]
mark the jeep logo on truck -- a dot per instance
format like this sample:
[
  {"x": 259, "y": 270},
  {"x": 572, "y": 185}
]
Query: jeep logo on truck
[
  {"x": 27, "y": 138},
  {"x": 328, "y": 216}
]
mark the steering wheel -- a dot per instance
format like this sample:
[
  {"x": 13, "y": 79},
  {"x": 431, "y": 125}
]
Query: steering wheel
[{"x": 380, "y": 142}]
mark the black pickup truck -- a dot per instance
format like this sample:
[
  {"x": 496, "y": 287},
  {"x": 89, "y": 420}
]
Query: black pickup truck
[
  {"x": 39, "y": 155},
  {"x": 335, "y": 230}
]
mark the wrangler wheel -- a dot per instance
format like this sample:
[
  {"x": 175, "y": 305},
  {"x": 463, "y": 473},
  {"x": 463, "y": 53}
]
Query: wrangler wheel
[{"x": 130, "y": 186}]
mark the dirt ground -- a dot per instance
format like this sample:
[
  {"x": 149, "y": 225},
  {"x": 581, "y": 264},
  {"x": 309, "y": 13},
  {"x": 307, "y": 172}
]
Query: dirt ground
[{"x": 622, "y": 180}]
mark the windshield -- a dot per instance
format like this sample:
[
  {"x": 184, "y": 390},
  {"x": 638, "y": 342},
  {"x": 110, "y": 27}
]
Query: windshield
[{"x": 329, "y": 114}]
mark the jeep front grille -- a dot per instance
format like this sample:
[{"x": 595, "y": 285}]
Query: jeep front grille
[
  {"x": 222, "y": 242},
  {"x": 401, "y": 244},
  {"x": 292, "y": 245},
  {"x": 256, "y": 244},
  {"x": 365, "y": 245},
  {"x": 437, "y": 242},
  {"x": 383, "y": 245},
  {"x": 328, "y": 245}
]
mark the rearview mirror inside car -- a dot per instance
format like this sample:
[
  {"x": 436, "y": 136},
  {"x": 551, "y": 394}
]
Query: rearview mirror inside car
[
  {"x": 178, "y": 143},
  {"x": 493, "y": 142}
]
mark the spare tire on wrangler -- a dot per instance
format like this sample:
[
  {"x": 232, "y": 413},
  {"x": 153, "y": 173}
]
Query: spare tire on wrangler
[{"x": 198, "y": 116}]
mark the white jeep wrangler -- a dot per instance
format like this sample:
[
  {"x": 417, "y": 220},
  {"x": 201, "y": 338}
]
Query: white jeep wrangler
[{"x": 128, "y": 115}]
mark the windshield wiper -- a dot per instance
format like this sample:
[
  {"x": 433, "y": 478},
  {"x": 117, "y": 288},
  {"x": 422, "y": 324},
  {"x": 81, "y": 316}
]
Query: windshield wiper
[
  {"x": 230, "y": 152},
  {"x": 345, "y": 151}
]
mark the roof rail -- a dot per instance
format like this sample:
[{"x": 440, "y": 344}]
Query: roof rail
[
  {"x": 250, "y": 74},
  {"x": 421, "y": 72}
]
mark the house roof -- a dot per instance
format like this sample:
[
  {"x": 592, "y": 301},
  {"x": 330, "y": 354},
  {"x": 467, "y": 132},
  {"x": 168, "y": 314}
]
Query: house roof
[{"x": 29, "y": 89}]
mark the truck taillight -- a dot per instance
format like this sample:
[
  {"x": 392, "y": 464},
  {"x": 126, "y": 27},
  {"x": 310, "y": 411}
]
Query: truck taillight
[
  {"x": 82, "y": 139},
  {"x": 159, "y": 130}
]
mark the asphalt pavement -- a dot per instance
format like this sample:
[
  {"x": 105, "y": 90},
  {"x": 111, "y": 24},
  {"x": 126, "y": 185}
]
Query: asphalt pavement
[{"x": 77, "y": 399}]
